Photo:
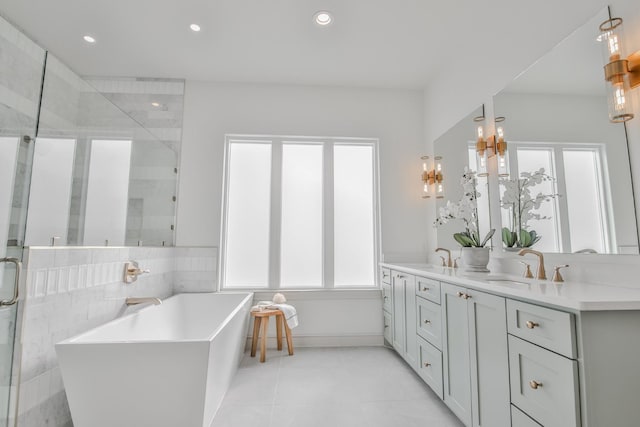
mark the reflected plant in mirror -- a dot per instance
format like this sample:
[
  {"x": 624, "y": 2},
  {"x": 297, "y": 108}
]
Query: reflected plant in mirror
[{"x": 524, "y": 207}]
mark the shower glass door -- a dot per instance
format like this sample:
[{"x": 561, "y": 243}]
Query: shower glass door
[{"x": 21, "y": 67}]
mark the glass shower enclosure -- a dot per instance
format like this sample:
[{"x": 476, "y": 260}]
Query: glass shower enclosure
[{"x": 20, "y": 83}]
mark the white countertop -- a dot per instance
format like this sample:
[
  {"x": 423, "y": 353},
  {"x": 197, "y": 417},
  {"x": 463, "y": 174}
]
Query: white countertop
[{"x": 568, "y": 295}]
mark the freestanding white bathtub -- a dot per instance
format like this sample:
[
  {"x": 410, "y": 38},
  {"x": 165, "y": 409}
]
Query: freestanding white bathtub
[{"x": 164, "y": 366}]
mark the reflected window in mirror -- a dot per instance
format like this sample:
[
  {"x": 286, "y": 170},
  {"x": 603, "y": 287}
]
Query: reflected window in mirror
[{"x": 579, "y": 218}]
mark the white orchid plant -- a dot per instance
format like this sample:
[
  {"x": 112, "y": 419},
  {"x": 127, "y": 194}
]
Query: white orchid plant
[
  {"x": 522, "y": 204},
  {"x": 465, "y": 209}
]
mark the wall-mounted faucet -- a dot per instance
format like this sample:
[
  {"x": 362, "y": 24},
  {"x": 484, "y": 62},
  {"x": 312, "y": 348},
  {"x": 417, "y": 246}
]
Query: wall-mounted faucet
[
  {"x": 132, "y": 271},
  {"x": 449, "y": 262},
  {"x": 142, "y": 300},
  {"x": 540, "y": 274}
]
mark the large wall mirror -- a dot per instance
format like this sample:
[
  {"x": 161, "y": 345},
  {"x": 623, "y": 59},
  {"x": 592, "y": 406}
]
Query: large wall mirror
[
  {"x": 455, "y": 151},
  {"x": 556, "y": 122}
]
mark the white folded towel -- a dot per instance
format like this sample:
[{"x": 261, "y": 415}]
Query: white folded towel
[{"x": 289, "y": 311}]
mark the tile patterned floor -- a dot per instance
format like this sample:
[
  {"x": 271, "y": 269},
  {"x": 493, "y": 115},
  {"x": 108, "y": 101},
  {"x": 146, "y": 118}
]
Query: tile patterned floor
[{"x": 331, "y": 387}]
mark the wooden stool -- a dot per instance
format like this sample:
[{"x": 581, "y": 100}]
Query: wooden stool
[{"x": 262, "y": 320}]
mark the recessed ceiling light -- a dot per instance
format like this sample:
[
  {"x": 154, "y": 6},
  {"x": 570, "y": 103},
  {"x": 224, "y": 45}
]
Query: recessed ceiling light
[
  {"x": 89, "y": 39},
  {"x": 155, "y": 104},
  {"x": 194, "y": 27},
  {"x": 323, "y": 18}
]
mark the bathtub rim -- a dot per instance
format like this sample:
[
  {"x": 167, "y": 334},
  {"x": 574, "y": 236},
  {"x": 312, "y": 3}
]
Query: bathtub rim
[{"x": 76, "y": 339}]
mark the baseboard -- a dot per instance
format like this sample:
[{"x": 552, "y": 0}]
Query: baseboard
[{"x": 326, "y": 341}]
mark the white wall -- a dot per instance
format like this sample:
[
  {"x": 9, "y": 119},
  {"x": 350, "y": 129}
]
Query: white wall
[{"x": 394, "y": 116}]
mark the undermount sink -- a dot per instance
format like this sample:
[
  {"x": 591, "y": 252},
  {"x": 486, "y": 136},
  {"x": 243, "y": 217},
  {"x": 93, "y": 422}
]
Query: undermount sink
[{"x": 505, "y": 282}]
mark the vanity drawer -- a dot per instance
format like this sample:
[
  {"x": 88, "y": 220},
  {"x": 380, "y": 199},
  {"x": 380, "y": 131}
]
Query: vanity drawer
[
  {"x": 385, "y": 275},
  {"x": 428, "y": 289},
  {"x": 544, "y": 384},
  {"x": 429, "y": 318},
  {"x": 520, "y": 419},
  {"x": 388, "y": 327},
  {"x": 430, "y": 366},
  {"x": 546, "y": 327},
  {"x": 387, "y": 303}
]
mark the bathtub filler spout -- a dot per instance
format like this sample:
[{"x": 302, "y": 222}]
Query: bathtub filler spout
[
  {"x": 132, "y": 271},
  {"x": 143, "y": 300}
]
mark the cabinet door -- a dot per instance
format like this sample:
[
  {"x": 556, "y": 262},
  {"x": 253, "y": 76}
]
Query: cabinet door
[
  {"x": 388, "y": 328},
  {"x": 457, "y": 387},
  {"x": 430, "y": 365},
  {"x": 544, "y": 384},
  {"x": 397, "y": 282},
  {"x": 429, "y": 321},
  {"x": 410, "y": 343},
  {"x": 489, "y": 354}
]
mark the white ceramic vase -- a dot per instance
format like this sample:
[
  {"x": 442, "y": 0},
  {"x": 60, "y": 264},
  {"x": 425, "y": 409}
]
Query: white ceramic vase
[{"x": 475, "y": 259}]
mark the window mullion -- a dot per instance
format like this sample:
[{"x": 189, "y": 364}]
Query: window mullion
[
  {"x": 276, "y": 214},
  {"x": 328, "y": 229}
]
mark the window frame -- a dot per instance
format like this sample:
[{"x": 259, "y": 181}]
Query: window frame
[{"x": 277, "y": 142}]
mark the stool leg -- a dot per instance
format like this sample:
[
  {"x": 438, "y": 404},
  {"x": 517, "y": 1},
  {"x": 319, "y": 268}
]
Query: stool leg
[
  {"x": 279, "y": 320},
  {"x": 289, "y": 338},
  {"x": 263, "y": 342},
  {"x": 256, "y": 333}
]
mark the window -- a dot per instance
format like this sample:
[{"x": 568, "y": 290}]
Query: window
[{"x": 299, "y": 213}]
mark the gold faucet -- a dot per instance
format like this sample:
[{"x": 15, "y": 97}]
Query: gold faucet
[
  {"x": 449, "y": 263},
  {"x": 540, "y": 274},
  {"x": 136, "y": 300}
]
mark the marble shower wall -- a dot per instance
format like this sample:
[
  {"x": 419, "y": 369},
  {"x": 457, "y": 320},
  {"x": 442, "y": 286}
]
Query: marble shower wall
[{"x": 69, "y": 290}]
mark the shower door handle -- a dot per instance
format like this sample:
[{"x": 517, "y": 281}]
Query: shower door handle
[{"x": 18, "y": 265}]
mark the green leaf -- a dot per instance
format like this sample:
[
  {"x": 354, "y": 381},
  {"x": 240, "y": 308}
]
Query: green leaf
[
  {"x": 525, "y": 239},
  {"x": 463, "y": 239},
  {"x": 487, "y": 237},
  {"x": 509, "y": 238}
]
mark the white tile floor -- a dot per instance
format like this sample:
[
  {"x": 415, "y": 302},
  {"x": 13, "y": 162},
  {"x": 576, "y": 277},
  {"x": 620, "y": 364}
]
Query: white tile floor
[{"x": 331, "y": 387}]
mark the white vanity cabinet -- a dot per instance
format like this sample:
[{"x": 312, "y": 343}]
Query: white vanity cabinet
[
  {"x": 404, "y": 316},
  {"x": 476, "y": 366},
  {"x": 542, "y": 354}
]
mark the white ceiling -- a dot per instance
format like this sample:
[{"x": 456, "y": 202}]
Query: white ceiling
[{"x": 374, "y": 43}]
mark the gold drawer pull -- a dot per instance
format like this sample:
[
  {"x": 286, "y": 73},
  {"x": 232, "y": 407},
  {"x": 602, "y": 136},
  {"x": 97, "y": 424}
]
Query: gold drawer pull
[
  {"x": 531, "y": 324},
  {"x": 425, "y": 289},
  {"x": 466, "y": 296},
  {"x": 460, "y": 294},
  {"x": 400, "y": 276},
  {"x": 427, "y": 364},
  {"x": 427, "y": 321},
  {"x": 534, "y": 384}
]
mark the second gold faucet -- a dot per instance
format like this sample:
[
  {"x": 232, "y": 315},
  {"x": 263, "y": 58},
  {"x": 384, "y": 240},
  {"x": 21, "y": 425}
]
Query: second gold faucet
[{"x": 449, "y": 262}]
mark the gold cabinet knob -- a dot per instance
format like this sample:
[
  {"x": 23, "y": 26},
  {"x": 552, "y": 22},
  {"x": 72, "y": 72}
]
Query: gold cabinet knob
[
  {"x": 425, "y": 289},
  {"x": 535, "y": 384},
  {"x": 466, "y": 296},
  {"x": 427, "y": 321},
  {"x": 460, "y": 294},
  {"x": 531, "y": 324},
  {"x": 427, "y": 364}
]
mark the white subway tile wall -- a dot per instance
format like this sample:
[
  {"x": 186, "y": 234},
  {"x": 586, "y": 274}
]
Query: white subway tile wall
[{"x": 67, "y": 291}]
